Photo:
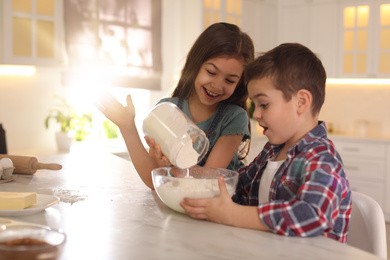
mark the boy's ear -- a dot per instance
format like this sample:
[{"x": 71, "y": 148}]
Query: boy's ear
[{"x": 304, "y": 98}]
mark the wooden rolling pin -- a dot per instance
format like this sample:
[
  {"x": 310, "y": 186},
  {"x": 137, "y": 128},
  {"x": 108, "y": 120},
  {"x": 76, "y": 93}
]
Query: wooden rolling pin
[{"x": 29, "y": 164}]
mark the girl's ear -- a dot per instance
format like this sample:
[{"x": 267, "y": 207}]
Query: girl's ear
[{"x": 304, "y": 99}]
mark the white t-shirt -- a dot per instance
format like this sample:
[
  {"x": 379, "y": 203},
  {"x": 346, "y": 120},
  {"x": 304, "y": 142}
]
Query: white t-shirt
[{"x": 266, "y": 179}]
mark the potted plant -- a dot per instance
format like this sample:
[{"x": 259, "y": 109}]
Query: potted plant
[{"x": 73, "y": 126}]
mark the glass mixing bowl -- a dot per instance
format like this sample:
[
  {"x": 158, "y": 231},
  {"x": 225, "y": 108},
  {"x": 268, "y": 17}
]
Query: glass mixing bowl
[{"x": 173, "y": 184}]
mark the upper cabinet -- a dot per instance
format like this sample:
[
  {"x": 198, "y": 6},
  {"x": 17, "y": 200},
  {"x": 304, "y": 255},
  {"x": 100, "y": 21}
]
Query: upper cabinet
[
  {"x": 221, "y": 10},
  {"x": 32, "y": 32},
  {"x": 365, "y": 39},
  {"x": 314, "y": 24},
  {"x": 351, "y": 37}
]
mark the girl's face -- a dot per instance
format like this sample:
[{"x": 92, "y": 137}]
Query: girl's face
[
  {"x": 217, "y": 79},
  {"x": 274, "y": 113}
]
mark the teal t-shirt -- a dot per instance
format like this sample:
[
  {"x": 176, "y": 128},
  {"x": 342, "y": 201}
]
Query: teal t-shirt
[{"x": 233, "y": 122}]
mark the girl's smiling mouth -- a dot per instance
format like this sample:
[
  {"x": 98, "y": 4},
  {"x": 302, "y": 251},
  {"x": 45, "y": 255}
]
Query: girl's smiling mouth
[{"x": 210, "y": 94}]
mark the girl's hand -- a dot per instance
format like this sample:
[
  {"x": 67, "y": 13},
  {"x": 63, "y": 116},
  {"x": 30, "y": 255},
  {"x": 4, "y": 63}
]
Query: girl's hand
[
  {"x": 115, "y": 111},
  {"x": 156, "y": 154},
  {"x": 218, "y": 209}
]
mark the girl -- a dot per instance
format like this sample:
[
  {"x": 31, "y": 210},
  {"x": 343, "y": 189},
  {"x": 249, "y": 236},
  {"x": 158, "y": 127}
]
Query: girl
[{"x": 211, "y": 91}]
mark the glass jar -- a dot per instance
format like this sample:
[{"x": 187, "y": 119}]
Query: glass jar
[{"x": 180, "y": 139}]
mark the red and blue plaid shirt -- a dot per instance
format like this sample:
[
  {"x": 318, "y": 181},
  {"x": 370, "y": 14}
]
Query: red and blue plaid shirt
[{"x": 309, "y": 194}]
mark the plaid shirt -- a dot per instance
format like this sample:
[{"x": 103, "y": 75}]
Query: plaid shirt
[{"x": 309, "y": 194}]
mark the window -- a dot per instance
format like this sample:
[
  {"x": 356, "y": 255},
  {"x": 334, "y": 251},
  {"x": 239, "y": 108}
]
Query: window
[
  {"x": 113, "y": 42},
  {"x": 221, "y": 11}
]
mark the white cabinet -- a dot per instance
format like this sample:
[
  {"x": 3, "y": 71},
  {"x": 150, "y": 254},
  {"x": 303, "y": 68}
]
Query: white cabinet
[
  {"x": 387, "y": 185},
  {"x": 366, "y": 163},
  {"x": 313, "y": 24},
  {"x": 31, "y": 32},
  {"x": 364, "y": 39},
  {"x": 351, "y": 37}
]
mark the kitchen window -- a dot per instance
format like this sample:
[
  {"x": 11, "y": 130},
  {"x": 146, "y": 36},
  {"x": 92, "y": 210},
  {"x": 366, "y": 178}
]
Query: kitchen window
[{"x": 113, "y": 43}]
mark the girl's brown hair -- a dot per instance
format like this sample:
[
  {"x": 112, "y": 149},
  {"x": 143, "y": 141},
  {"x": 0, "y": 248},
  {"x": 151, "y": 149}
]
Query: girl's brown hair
[{"x": 219, "y": 39}]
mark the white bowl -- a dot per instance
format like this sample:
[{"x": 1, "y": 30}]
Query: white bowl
[{"x": 172, "y": 184}]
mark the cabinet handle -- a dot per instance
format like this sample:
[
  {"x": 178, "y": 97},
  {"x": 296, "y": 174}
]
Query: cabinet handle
[
  {"x": 352, "y": 168},
  {"x": 351, "y": 149}
]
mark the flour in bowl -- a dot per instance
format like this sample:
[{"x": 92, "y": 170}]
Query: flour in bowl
[{"x": 173, "y": 192}]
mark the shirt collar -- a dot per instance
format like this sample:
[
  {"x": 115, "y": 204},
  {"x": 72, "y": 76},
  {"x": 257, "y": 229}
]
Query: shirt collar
[{"x": 319, "y": 132}]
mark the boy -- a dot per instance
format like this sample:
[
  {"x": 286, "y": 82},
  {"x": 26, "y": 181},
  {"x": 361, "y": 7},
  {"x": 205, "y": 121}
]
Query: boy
[{"x": 297, "y": 184}]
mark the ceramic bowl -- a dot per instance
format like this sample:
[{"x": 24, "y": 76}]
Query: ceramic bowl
[
  {"x": 172, "y": 184},
  {"x": 30, "y": 242}
]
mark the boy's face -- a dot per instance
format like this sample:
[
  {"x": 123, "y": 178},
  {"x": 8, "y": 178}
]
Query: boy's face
[{"x": 274, "y": 113}]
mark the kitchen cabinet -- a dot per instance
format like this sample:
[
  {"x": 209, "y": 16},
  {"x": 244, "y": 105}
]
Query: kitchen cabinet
[
  {"x": 365, "y": 39},
  {"x": 223, "y": 10},
  {"x": 367, "y": 165},
  {"x": 31, "y": 32},
  {"x": 313, "y": 24},
  {"x": 355, "y": 47}
]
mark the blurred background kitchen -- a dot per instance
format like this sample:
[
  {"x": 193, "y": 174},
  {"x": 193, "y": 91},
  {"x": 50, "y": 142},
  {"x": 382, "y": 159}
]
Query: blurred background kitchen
[{"x": 62, "y": 52}]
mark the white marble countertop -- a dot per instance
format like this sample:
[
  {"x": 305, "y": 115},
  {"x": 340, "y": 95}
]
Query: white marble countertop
[{"x": 108, "y": 213}]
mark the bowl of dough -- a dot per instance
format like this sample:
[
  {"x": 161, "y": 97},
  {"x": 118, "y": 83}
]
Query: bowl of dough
[
  {"x": 30, "y": 242},
  {"x": 172, "y": 184}
]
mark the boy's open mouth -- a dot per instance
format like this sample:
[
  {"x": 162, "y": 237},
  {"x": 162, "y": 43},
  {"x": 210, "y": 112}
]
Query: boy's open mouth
[{"x": 265, "y": 129}]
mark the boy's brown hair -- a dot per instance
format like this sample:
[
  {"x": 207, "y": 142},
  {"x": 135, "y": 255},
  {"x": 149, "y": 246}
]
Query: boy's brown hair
[{"x": 291, "y": 67}]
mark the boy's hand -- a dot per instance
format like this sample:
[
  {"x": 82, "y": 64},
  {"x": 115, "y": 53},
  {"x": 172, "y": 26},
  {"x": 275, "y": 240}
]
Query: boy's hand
[
  {"x": 218, "y": 209},
  {"x": 223, "y": 210},
  {"x": 156, "y": 154}
]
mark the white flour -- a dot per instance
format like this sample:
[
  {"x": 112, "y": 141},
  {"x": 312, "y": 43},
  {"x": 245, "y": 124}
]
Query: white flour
[
  {"x": 187, "y": 156},
  {"x": 173, "y": 192},
  {"x": 168, "y": 126}
]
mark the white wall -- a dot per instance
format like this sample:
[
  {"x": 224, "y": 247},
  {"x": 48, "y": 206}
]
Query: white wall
[
  {"x": 347, "y": 106},
  {"x": 24, "y": 104}
]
